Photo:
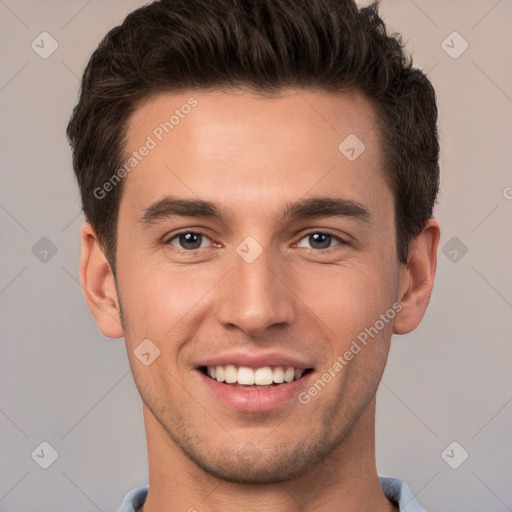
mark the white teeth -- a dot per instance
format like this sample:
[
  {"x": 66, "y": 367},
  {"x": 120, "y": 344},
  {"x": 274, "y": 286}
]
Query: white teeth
[
  {"x": 289, "y": 374},
  {"x": 245, "y": 376},
  {"x": 278, "y": 375},
  {"x": 230, "y": 374},
  {"x": 264, "y": 376},
  {"x": 260, "y": 377}
]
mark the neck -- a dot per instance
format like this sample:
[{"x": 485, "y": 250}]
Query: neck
[{"x": 346, "y": 481}]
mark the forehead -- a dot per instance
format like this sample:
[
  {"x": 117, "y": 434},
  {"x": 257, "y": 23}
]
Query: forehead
[{"x": 232, "y": 146}]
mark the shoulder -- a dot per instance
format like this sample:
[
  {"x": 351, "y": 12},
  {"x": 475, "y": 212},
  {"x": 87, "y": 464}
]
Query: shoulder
[
  {"x": 399, "y": 493},
  {"x": 395, "y": 490},
  {"x": 134, "y": 499}
]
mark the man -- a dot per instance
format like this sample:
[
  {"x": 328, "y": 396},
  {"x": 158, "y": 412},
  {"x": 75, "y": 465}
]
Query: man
[{"x": 258, "y": 179}]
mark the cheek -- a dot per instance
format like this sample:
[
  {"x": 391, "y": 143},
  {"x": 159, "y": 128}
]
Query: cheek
[
  {"x": 347, "y": 298},
  {"x": 157, "y": 299}
]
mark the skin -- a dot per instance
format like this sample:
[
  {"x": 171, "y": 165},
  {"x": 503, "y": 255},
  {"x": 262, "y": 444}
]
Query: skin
[{"x": 252, "y": 154}]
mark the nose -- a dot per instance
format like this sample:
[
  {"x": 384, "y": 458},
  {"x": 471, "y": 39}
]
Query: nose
[{"x": 255, "y": 296}]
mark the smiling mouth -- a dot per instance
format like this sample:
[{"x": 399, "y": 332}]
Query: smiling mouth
[{"x": 254, "y": 378}]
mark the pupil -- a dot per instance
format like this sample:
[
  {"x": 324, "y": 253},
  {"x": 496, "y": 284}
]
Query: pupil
[
  {"x": 190, "y": 241},
  {"x": 320, "y": 239}
]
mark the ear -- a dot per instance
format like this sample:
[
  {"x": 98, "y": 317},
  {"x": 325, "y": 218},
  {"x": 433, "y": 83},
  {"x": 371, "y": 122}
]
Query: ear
[
  {"x": 417, "y": 278},
  {"x": 99, "y": 285}
]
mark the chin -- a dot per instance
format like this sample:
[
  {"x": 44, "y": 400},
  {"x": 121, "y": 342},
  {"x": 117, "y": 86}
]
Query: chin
[{"x": 252, "y": 465}]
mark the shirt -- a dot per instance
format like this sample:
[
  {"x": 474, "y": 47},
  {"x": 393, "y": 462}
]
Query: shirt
[{"x": 396, "y": 491}]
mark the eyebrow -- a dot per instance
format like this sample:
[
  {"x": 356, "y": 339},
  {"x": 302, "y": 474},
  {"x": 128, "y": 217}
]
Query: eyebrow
[{"x": 314, "y": 207}]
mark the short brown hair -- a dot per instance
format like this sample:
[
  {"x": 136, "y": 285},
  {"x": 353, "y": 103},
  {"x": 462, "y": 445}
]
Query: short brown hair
[{"x": 266, "y": 45}]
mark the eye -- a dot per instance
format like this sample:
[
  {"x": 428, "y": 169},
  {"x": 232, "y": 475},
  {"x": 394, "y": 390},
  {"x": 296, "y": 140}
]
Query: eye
[
  {"x": 320, "y": 241},
  {"x": 188, "y": 240}
]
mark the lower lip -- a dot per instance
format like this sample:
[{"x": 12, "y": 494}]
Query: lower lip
[{"x": 255, "y": 400}]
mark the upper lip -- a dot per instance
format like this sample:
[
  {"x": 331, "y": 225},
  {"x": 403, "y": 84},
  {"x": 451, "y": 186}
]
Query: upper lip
[{"x": 256, "y": 360}]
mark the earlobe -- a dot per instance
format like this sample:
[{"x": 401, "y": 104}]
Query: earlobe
[
  {"x": 99, "y": 285},
  {"x": 417, "y": 279}
]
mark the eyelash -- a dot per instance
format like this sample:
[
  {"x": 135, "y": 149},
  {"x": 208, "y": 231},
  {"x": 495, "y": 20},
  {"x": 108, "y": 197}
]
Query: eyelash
[{"x": 199, "y": 232}]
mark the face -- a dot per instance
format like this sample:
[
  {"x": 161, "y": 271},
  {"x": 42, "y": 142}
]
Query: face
[{"x": 250, "y": 243}]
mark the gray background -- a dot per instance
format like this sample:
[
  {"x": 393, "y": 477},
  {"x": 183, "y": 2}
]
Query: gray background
[{"x": 64, "y": 383}]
